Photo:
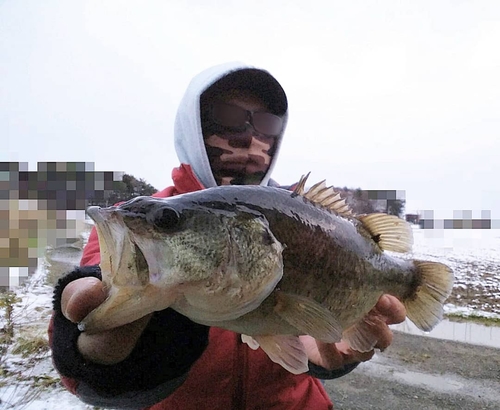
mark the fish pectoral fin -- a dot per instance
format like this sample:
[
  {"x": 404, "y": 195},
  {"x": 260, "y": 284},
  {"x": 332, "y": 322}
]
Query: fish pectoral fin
[
  {"x": 125, "y": 305},
  {"x": 388, "y": 231},
  {"x": 360, "y": 337},
  {"x": 308, "y": 317},
  {"x": 425, "y": 307},
  {"x": 250, "y": 341},
  {"x": 286, "y": 350}
]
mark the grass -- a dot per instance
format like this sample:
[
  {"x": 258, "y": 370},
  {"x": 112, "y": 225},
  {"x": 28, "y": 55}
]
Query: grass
[
  {"x": 486, "y": 321},
  {"x": 7, "y": 302},
  {"x": 45, "y": 381},
  {"x": 22, "y": 349},
  {"x": 26, "y": 347}
]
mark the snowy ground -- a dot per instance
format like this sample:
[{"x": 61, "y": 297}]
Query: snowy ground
[
  {"x": 474, "y": 256},
  {"x": 31, "y": 383}
]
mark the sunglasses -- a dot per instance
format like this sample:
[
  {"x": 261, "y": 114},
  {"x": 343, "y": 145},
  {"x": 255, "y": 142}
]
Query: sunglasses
[{"x": 232, "y": 116}]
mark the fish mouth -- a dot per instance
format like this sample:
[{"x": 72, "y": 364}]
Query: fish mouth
[
  {"x": 122, "y": 260},
  {"x": 125, "y": 275},
  {"x": 107, "y": 243}
]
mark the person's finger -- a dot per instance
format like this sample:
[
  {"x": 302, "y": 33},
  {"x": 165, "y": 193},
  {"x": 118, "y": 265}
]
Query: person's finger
[
  {"x": 336, "y": 355},
  {"x": 80, "y": 297},
  {"x": 329, "y": 356},
  {"x": 391, "y": 308},
  {"x": 384, "y": 334},
  {"x": 388, "y": 310},
  {"x": 114, "y": 345},
  {"x": 349, "y": 355}
]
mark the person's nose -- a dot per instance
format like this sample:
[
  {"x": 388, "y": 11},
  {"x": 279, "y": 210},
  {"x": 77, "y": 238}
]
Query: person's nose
[{"x": 244, "y": 140}]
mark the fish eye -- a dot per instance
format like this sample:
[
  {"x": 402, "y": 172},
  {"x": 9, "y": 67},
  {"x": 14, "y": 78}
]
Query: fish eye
[{"x": 166, "y": 218}]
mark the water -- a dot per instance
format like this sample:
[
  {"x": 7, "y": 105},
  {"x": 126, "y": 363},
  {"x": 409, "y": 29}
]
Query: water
[{"x": 466, "y": 332}]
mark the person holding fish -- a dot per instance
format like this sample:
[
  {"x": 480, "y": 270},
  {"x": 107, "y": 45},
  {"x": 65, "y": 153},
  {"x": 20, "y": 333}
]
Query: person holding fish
[{"x": 163, "y": 340}]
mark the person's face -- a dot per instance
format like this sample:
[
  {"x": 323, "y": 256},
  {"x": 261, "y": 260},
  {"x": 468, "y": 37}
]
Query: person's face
[{"x": 238, "y": 155}]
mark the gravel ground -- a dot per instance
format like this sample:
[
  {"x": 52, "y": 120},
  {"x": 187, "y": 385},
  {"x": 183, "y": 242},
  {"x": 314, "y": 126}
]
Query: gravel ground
[{"x": 418, "y": 372}]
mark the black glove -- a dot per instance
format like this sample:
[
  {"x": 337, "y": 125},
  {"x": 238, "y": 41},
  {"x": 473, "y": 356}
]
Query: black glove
[{"x": 168, "y": 347}]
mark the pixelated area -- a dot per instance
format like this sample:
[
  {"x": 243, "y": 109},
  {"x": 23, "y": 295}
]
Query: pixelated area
[
  {"x": 44, "y": 208},
  {"x": 369, "y": 201},
  {"x": 462, "y": 219},
  {"x": 388, "y": 201}
]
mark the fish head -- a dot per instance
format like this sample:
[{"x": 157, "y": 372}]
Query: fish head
[{"x": 210, "y": 262}]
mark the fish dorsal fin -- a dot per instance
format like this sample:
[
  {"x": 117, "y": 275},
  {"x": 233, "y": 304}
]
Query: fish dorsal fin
[
  {"x": 390, "y": 232},
  {"x": 301, "y": 185},
  {"x": 324, "y": 196}
]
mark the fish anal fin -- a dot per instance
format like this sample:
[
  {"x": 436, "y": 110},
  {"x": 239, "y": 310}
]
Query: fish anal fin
[
  {"x": 286, "y": 350},
  {"x": 360, "y": 336},
  {"x": 308, "y": 317},
  {"x": 425, "y": 307},
  {"x": 250, "y": 341},
  {"x": 390, "y": 232}
]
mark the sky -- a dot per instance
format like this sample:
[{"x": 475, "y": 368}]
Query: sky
[{"x": 383, "y": 95}]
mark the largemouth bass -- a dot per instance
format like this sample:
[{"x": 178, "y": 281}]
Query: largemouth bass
[{"x": 265, "y": 262}]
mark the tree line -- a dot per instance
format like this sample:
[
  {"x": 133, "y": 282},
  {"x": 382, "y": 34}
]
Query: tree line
[
  {"x": 370, "y": 201},
  {"x": 129, "y": 187}
]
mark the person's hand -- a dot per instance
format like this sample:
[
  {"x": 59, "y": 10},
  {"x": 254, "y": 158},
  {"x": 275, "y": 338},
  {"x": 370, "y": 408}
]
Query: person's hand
[
  {"x": 82, "y": 296},
  {"x": 388, "y": 311}
]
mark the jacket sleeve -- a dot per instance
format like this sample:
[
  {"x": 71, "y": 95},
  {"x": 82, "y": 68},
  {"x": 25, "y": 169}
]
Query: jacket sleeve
[
  {"x": 159, "y": 363},
  {"x": 91, "y": 252},
  {"x": 322, "y": 373}
]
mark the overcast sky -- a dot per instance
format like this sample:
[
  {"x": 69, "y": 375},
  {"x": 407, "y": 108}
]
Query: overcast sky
[{"x": 401, "y": 95}]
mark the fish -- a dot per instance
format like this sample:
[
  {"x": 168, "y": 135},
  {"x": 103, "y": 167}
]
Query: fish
[{"x": 269, "y": 263}]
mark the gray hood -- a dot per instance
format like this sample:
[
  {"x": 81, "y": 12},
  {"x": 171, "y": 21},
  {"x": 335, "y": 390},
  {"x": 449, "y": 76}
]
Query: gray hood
[{"x": 188, "y": 135}]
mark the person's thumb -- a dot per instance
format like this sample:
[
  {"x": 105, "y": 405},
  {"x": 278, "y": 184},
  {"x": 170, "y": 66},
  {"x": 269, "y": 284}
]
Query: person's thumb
[{"x": 82, "y": 296}]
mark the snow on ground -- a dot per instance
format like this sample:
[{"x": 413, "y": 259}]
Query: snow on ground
[
  {"x": 474, "y": 256},
  {"x": 31, "y": 383}
]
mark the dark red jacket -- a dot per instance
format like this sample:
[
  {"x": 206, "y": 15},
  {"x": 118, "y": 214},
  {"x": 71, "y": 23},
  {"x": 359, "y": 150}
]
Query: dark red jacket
[{"x": 229, "y": 375}]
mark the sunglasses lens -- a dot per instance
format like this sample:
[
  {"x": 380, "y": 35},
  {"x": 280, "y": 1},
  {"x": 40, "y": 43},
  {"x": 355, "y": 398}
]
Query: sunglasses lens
[
  {"x": 229, "y": 115},
  {"x": 267, "y": 123},
  {"x": 236, "y": 117}
]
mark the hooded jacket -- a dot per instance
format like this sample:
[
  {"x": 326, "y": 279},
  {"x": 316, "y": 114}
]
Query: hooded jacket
[
  {"x": 178, "y": 364},
  {"x": 189, "y": 143}
]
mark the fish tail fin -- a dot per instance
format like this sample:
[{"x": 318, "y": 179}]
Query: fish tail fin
[{"x": 425, "y": 307}]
